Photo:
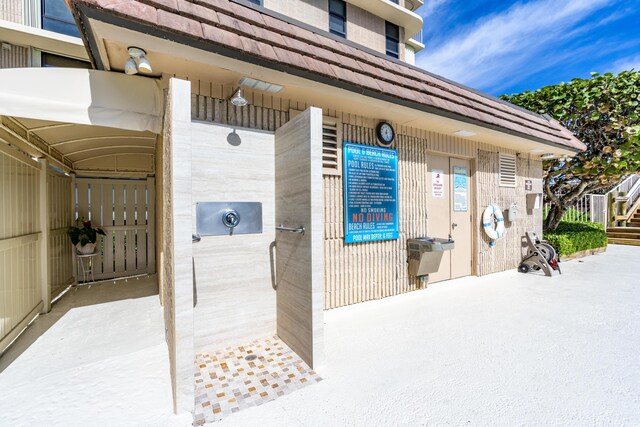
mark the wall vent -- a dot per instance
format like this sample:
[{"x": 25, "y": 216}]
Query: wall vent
[
  {"x": 507, "y": 170},
  {"x": 331, "y": 147}
]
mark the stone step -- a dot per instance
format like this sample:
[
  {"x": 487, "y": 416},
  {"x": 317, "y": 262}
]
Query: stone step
[
  {"x": 634, "y": 242},
  {"x": 621, "y": 235},
  {"x": 624, "y": 229}
]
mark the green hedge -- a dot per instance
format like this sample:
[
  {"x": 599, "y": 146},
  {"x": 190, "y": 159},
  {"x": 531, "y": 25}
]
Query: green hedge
[{"x": 572, "y": 237}]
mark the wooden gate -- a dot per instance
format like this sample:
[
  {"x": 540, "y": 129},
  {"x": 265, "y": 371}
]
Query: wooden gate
[{"x": 124, "y": 208}]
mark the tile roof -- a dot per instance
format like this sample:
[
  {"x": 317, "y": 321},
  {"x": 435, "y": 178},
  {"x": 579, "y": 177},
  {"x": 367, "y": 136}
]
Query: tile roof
[{"x": 280, "y": 43}]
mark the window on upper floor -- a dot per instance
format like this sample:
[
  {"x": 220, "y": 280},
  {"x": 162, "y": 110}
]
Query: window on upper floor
[
  {"x": 51, "y": 60},
  {"x": 57, "y": 17},
  {"x": 258, "y": 2},
  {"x": 393, "y": 39},
  {"x": 338, "y": 17}
]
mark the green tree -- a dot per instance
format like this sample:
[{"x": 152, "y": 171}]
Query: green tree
[{"x": 604, "y": 113}]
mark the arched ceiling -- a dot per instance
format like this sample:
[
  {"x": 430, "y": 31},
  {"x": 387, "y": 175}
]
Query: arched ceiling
[{"x": 88, "y": 147}]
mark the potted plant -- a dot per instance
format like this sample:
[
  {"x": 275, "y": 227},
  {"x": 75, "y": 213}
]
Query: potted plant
[{"x": 84, "y": 236}]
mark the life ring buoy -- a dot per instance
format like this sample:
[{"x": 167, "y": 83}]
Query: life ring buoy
[{"x": 488, "y": 222}]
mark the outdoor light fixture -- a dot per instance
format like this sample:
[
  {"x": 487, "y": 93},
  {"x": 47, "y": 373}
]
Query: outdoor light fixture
[
  {"x": 464, "y": 133},
  {"x": 547, "y": 156},
  {"x": 137, "y": 61},
  {"x": 237, "y": 99}
]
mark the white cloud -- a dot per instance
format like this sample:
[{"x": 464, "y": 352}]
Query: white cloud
[
  {"x": 430, "y": 7},
  {"x": 510, "y": 45},
  {"x": 626, "y": 64}
]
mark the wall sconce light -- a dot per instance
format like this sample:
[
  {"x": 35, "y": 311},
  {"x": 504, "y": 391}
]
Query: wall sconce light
[
  {"x": 237, "y": 99},
  {"x": 137, "y": 61}
]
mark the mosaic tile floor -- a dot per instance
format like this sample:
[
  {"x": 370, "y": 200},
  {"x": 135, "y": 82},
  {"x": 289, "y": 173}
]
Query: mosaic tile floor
[{"x": 226, "y": 382}]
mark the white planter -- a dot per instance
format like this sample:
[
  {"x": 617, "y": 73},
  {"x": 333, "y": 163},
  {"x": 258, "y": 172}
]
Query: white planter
[{"x": 87, "y": 249}]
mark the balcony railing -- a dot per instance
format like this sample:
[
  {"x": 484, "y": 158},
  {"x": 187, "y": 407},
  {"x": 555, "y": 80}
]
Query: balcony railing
[{"x": 418, "y": 37}]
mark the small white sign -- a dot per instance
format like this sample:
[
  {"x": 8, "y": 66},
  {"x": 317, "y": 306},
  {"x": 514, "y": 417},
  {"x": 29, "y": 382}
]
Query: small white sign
[
  {"x": 437, "y": 183},
  {"x": 460, "y": 193}
]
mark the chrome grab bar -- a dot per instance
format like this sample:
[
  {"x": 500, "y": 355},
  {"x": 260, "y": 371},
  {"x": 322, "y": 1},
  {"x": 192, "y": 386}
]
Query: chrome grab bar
[{"x": 290, "y": 230}]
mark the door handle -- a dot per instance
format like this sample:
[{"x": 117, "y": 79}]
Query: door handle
[{"x": 453, "y": 225}]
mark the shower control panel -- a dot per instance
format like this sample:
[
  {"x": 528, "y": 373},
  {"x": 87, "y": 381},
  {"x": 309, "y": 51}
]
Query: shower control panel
[{"x": 228, "y": 218}]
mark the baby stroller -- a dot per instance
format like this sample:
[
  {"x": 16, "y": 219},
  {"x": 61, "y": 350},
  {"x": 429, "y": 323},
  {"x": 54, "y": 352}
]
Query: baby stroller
[{"x": 540, "y": 256}]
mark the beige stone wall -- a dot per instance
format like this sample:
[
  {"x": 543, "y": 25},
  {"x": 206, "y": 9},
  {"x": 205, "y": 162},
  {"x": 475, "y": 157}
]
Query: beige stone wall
[
  {"x": 165, "y": 234},
  {"x": 365, "y": 28},
  {"x": 11, "y": 10},
  {"x": 312, "y": 12},
  {"x": 12, "y": 56},
  {"x": 235, "y": 297},
  {"x": 299, "y": 260},
  {"x": 177, "y": 263},
  {"x": 356, "y": 273},
  {"x": 509, "y": 250}
]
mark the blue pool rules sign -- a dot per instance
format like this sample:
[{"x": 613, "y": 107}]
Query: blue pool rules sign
[{"x": 370, "y": 193}]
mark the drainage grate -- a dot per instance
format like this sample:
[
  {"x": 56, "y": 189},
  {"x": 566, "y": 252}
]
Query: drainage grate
[{"x": 251, "y": 357}]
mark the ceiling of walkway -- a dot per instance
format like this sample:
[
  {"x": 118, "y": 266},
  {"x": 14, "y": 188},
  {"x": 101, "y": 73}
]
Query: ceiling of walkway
[{"x": 89, "y": 148}]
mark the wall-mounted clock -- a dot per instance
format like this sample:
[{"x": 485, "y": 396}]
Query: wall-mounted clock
[{"x": 385, "y": 134}]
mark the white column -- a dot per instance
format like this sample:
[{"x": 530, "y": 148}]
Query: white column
[
  {"x": 45, "y": 281},
  {"x": 179, "y": 122}
]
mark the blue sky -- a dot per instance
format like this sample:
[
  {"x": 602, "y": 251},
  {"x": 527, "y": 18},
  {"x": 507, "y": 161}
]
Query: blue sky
[{"x": 506, "y": 46}]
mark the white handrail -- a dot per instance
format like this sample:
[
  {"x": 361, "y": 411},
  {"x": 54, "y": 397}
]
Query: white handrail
[
  {"x": 632, "y": 195},
  {"x": 626, "y": 184}
]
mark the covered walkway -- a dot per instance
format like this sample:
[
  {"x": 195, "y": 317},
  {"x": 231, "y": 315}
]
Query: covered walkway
[{"x": 98, "y": 358}]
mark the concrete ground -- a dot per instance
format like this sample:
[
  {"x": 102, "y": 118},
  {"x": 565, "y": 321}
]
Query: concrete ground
[
  {"x": 99, "y": 358},
  {"x": 505, "y": 349}
]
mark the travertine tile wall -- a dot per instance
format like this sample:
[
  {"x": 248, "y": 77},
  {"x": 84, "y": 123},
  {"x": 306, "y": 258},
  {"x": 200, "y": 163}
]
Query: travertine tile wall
[
  {"x": 178, "y": 264},
  {"x": 300, "y": 258},
  {"x": 236, "y": 300}
]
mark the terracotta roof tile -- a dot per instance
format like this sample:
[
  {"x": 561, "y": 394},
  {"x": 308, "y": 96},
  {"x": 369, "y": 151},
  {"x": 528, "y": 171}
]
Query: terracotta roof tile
[
  {"x": 221, "y": 37},
  {"x": 349, "y": 62},
  {"x": 258, "y": 48},
  {"x": 369, "y": 82},
  {"x": 201, "y": 13},
  {"x": 216, "y": 4},
  {"x": 262, "y": 35},
  {"x": 299, "y": 33},
  {"x": 288, "y": 57},
  {"x": 128, "y": 8},
  {"x": 235, "y": 25},
  {"x": 179, "y": 23},
  {"x": 165, "y": 4},
  {"x": 320, "y": 67},
  {"x": 295, "y": 44},
  {"x": 268, "y": 36}
]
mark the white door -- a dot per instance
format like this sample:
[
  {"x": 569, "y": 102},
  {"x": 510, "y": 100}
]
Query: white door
[{"x": 449, "y": 213}]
